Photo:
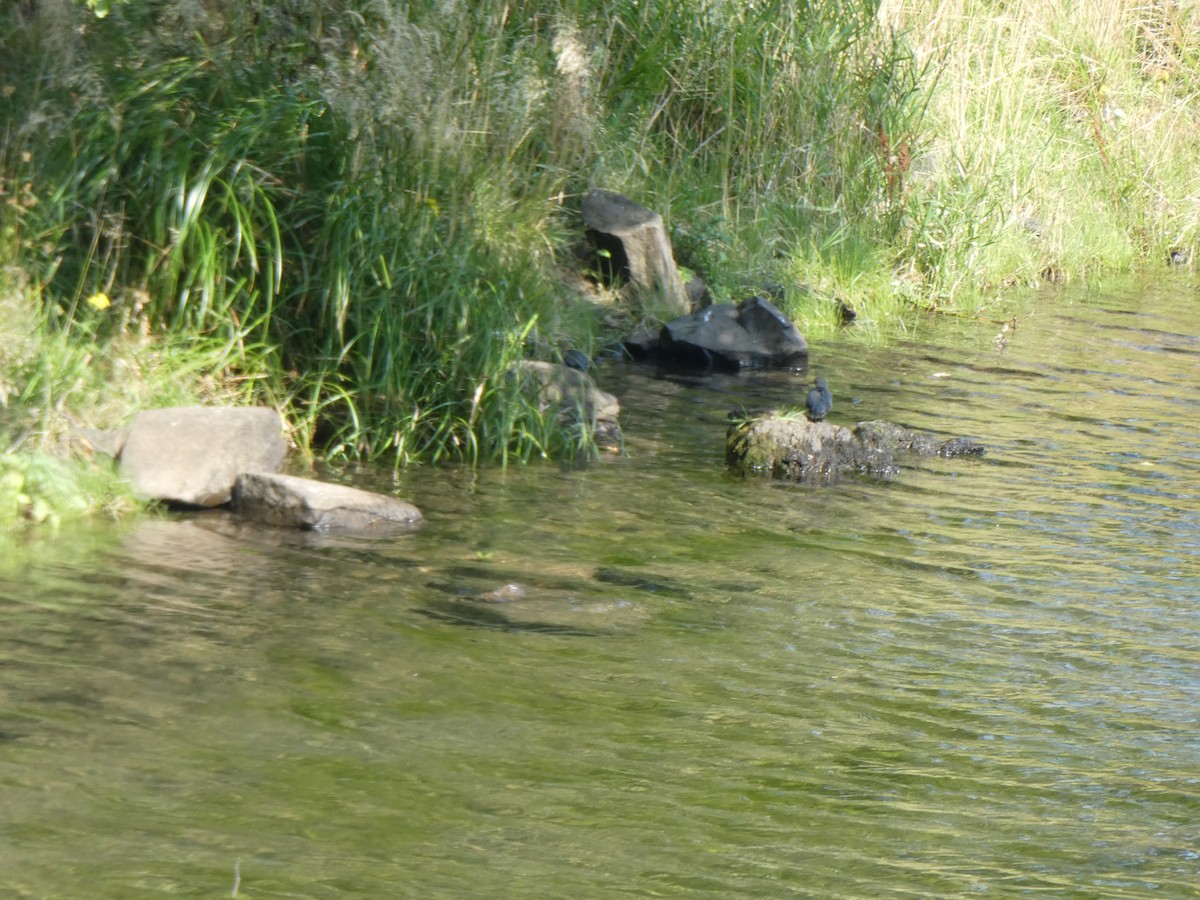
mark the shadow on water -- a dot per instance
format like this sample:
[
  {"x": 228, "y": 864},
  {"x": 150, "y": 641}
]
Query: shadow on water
[
  {"x": 977, "y": 678},
  {"x": 476, "y": 615}
]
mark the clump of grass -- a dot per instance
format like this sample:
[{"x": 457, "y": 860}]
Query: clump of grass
[
  {"x": 777, "y": 134},
  {"x": 57, "y": 388},
  {"x": 42, "y": 491}
]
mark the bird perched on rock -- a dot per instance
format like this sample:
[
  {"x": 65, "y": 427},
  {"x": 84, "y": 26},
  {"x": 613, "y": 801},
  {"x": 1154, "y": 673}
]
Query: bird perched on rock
[{"x": 819, "y": 401}]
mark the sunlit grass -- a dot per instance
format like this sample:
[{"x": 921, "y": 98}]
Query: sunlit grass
[{"x": 1063, "y": 139}]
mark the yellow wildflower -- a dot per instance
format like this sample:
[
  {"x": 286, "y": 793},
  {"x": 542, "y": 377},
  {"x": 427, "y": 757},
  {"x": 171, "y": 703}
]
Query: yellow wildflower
[{"x": 99, "y": 300}]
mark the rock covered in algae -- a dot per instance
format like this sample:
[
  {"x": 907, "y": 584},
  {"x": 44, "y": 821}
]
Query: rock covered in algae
[{"x": 792, "y": 447}]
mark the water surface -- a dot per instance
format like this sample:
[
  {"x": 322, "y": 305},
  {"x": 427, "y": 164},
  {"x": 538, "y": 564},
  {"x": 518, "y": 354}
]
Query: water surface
[{"x": 979, "y": 678}]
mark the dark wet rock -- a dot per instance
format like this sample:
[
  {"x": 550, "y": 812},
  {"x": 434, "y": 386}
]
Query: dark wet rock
[
  {"x": 752, "y": 334},
  {"x": 792, "y": 447},
  {"x": 819, "y": 402},
  {"x": 292, "y": 502},
  {"x": 575, "y": 397},
  {"x": 192, "y": 455},
  {"x": 895, "y": 438},
  {"x": 643, "y": 343},
  {"x": 632, "y": 245}
]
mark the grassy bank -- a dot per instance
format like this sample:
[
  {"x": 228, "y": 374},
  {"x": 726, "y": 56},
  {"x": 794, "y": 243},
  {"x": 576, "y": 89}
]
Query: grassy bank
[{"x": 363, "y": 213}]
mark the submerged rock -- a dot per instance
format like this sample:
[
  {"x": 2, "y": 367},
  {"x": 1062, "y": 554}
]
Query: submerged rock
[
  {"x": 794, "y": 448},
  {"x": 878, "y": 433}
]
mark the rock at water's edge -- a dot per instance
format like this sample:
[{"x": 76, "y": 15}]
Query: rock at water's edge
[
  {"x": 753, "y": 334},
  {"x": 293, "y": 502},
  {"x": 575, "y": 397},
  {"x": 191, "y": 455}
]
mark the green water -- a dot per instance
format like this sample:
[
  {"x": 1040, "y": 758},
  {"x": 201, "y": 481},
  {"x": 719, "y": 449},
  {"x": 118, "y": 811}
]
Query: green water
[{"x": 980, "y": 678}]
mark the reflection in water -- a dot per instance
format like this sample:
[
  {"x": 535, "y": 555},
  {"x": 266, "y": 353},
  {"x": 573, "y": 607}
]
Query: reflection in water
[{"x": 650, "y": 678}]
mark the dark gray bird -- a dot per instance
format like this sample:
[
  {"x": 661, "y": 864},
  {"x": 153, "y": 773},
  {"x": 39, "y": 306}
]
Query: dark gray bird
[
  {"x": 819, "y": 401},
  {"x": 576, "y": 359}
]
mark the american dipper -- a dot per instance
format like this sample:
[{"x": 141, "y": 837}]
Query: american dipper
[
  {"x": 576, "y": 359},
  {"x": 819, "y": 401}
]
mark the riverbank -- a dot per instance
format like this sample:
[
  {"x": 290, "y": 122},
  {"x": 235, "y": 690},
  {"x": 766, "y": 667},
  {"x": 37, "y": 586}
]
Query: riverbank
[{"x": 366, "y": 216}]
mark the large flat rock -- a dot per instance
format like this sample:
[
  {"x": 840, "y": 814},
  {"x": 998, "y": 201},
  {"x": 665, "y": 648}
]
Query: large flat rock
[
  {"x": 289, "y": 501},
  {"x": 191, "y": 455}
]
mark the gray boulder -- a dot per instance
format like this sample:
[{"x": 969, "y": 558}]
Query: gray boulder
[
  {"x": 574, "y": 397},
  {"x": 753, "y": 334},
  {"x": 791, "y": 447},
  {"x": 288, "y": 501},
  {"x": 191, "y": 455},
  {"x": 632, "y": 243}
]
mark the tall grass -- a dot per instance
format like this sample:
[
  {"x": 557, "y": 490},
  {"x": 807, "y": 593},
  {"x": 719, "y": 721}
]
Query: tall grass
[
  {"x": 363, "y": 257},
  {"x": 1063, "y": 140}
]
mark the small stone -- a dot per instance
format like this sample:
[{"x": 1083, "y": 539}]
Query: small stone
[
  {"x": 577, "y": 359},
  {"x": 505, "y": 594}
]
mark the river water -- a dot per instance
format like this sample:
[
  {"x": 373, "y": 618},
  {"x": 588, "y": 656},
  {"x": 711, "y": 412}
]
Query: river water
[{"x": 982, "y": 677}]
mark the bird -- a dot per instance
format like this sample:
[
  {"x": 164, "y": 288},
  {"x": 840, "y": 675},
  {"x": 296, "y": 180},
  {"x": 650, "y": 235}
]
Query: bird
[
  {"x": 576, "y": 359},
  {"x": 819, "y": 401}
]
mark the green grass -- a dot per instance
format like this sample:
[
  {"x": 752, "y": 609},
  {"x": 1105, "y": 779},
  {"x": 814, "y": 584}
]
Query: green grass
[{"x": 364, "y": 214}]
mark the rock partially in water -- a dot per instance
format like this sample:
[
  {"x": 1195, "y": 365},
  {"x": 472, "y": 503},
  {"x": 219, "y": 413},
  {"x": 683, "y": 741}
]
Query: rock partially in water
[
  {"x": 792, "y": 447},
  {"x": 878, "y": 433},
  {"x": 751, "y": 335},
  {"x": 192, "y": 455},
  {"x": 575, "y": 398},
  {"x": 292, "y": 502}
]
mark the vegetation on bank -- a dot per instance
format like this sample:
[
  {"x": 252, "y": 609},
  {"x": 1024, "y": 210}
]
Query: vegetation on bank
[{"x": 363, "y": 213}]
